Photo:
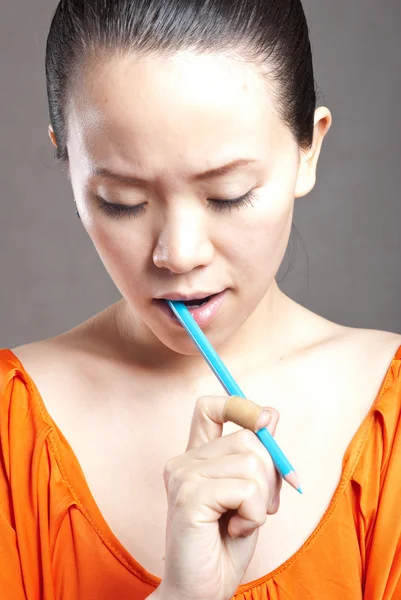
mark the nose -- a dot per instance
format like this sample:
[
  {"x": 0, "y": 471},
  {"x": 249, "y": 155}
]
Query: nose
[{"x": 183, "y": 243}]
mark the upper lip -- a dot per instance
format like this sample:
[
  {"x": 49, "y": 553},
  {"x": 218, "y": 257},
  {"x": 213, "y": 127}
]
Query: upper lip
[{"x": 185, "y": 297}]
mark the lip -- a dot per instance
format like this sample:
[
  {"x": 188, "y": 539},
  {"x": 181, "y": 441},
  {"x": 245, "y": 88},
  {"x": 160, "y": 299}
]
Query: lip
[
  {"x": 185, "y": 297},
  {"x": 203, "y": 315}
]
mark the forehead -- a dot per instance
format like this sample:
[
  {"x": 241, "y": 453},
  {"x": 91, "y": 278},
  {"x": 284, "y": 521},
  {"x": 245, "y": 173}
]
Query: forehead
[{"x": 133, "y": 110}]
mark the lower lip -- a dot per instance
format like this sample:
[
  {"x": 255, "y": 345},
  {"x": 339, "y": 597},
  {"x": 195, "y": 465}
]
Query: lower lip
[{"x": 203, "y": 315}]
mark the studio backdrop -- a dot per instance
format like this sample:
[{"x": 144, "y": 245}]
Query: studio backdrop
[{"x": 344, "y": 256}]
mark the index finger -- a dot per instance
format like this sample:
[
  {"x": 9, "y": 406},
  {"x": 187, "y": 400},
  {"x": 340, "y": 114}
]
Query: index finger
[{"x": 209, "y": 416}]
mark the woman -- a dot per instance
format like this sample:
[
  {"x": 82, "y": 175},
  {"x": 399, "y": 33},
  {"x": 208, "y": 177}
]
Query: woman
[{"x": 118, "y": 478}]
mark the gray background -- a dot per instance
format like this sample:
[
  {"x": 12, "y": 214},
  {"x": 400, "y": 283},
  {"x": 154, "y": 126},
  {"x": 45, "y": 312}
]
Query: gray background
[{"x": 347, "y": 267}]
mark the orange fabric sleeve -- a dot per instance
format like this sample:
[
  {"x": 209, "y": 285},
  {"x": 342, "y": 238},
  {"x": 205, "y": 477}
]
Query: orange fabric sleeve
[
  {"x": 12, "y": 541},
  {"x": 25, "y": 526},
  {"x": 383, "y": 538},
  {"x": 10, "y": 568}
]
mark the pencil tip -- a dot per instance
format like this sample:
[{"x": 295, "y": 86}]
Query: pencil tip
[{"x": 292, "y": 479}]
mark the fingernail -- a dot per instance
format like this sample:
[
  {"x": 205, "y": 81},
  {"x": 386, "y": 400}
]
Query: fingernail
[{"x": 263, "y": 419}]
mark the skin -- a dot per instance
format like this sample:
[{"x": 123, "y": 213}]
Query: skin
[
  {"x": 214, "y": 109},
  {"x": 164, "y": 121}
]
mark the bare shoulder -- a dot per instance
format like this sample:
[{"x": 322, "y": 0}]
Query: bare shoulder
[
  {"x": 57, "y": 368},
  {"x": 368, "y": 346},
  {"x": 361, "y": 359},
  {"x": 75, "y": 348},
  {"x": 350, "y": 366},
  {"x": 53, "y": 357},
  {"x": 72, "y": 365}
]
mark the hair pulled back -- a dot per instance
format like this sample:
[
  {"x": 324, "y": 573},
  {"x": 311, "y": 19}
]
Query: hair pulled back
[{"x": 271, "y": 34}]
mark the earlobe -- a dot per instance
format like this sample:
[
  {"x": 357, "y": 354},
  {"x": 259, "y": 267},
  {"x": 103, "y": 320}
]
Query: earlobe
[
  {"x": 308, "y": 162},
  {"x": 52, "y": 136},
  {"x": 306, "y": 179}
]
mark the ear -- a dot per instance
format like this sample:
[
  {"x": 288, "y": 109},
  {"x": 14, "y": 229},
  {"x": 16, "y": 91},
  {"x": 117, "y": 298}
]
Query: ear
[
  {"x": 52, "y": 136},
  {"x": 308, "y": 162}
]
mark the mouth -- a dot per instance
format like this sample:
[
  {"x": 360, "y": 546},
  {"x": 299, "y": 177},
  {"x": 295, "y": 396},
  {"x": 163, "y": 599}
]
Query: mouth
[
  {"x": 193, "y": 301},
  {"x": 203, "y": 308},
  {"x": 196, "y": 302}
]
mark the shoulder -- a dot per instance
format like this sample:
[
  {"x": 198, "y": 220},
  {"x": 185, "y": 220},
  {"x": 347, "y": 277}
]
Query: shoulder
[
  {"x": 56, "y": 367},
  {"x": 69, "y": 370},
  {"x": 354, "y": 355},
  {"x": 380, "y": 363},
  {"x": 368, "y": 353},
  {"x": 351, "y": 367},
  {"x": 59, "y": 357},
  {"x": 369, "y": 347},
  {"x": 13, "y": 378},
  {"x": 360, "y": 374},
  {"x": 71, "y": 352},
  {"x": 378, "y": 451},
  {"x": 21, "y": 413},
  {"x": 367, "y": 360}
]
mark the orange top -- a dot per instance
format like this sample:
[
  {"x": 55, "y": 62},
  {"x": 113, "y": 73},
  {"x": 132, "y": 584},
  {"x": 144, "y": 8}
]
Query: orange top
[{"x": 54, "y": 542}]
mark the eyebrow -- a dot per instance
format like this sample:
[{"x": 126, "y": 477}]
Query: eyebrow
[{"x": 209, "y": 174}]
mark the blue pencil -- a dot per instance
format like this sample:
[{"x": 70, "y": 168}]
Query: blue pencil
[{"x": 281, "y": 463}]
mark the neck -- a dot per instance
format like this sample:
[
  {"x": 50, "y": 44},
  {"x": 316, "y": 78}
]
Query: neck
[{"x": 273, "y": 330}]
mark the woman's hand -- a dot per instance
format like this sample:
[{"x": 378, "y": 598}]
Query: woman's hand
[{"x": 219, "y": 493}]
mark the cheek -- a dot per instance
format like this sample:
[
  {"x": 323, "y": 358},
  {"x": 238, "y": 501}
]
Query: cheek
[
  {"x": 123, "y": 250},
  {"x": 262, "y": 235}
]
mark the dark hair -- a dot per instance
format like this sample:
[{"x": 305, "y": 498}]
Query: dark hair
[{"x": 271, "y": 34}]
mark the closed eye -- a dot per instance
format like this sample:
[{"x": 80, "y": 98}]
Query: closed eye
[
  {"x": 118, "y": 211},
  {"x": 220, "y": 205}
]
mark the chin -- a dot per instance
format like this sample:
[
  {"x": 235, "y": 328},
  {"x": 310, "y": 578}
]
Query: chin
[{"x": 178, "y": 340}]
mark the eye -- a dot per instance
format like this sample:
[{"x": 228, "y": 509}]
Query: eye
[
  {"x": 245, "y": 200},
  {"x": 118, "y": 211}
]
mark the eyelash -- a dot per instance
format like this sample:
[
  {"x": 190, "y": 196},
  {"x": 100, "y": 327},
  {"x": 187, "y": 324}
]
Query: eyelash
[{"x": 119, "y": 210}]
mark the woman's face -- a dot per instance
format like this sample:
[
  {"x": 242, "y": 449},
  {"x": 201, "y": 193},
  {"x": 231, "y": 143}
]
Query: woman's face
[{"x": 163, "y": 123}]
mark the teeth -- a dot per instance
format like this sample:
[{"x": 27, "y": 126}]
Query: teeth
[{"x": 196, "y": 304}]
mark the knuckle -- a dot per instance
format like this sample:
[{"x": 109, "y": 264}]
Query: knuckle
[
  {"x": 202, "y": 403},
  {"x": 250, "y": 488},
  {"x": 168, "y": 469},
  {"x": 262, "y": 517},
  {"x": 252, "y": 463},
  {"x": 258, "y": 519},
  {"x": 176, "y": 478},
  {"x": 172, "y": 474},
  {"x": 209, "y": 408},
  {"x": 203, "y": 407},
  {"x": 184, "y": 494},
  {"x": 246, "y": 438}
]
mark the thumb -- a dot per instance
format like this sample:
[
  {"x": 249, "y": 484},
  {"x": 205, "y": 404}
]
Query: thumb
[
  {"x": 272, "y": 422},
  {"x": 248, "y": 414},
  {"x": 207, "y": 420},
  {"x": 211, "y": 412}
]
